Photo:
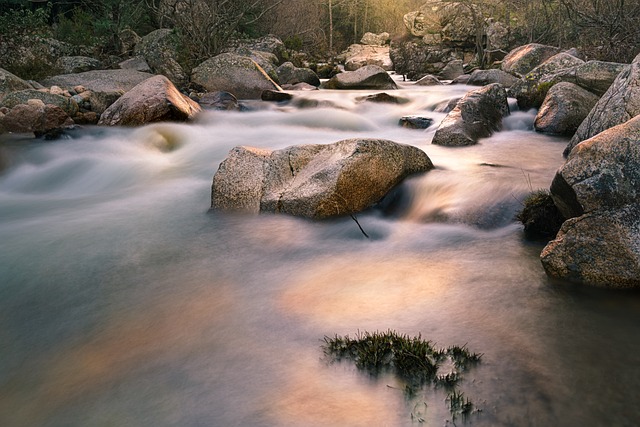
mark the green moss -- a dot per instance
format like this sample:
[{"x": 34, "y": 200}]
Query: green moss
[{"x": 540, "y": 216}]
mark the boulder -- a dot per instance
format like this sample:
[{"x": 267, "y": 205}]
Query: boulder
[
  {"x": 127, "y": 40},
  {"x": 267, "y": 61},
  {"x": 531, "y": 90},
  {"x": 137, "y": 63},
  {"x": 599, "y": 248},
  {"x": 498, "y": 36},
  {"x": 525, "y": 58},
  {"x": 37, "y": 118},
  {"x": 452, "y": 70},
  {"x": 597, "y": 76},
  {"x": 106, "y": 86},
  {"x": 564, "y": 108},
  {"x": 314, "y": 181},
  {"x": 429, "y": 80},
  {"x": 219, "y": 100},
  {"x": 461, "y": 80},
  {"x": 620, "y": 103},
  {"x": 160, "y": 49},
  {"x": 233, "y": 73},
  {"x": 600, "y": 173},
  {"x": 276, "y": 96},
  {"x": 419, "y": 25},
  {"x": 77, "y": 64},
  {"x": 485, "y": 77},
  {"x": 415, "y": 59},
  {"x": 357, "y": 56},
  {"x": 290, "y": 74},
  {"x": 269, "y": 43},
  {"x": 367, "y": 77},
  {"x": 477, "y": 115},
  {"x": 154, "y": 100},
  {"x": 23, "y": 96},
  {"x": 415, "y": 122},
  {"x": 371, "y": 39},
  {"x": 11, "y": 83},
  {"x": 382, "y": 98}
]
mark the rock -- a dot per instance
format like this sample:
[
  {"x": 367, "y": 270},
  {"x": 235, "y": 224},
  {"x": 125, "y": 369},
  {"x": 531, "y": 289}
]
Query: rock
[
  {"x": 357, "y": 56},
  {"x": 564, "y": 108},
  {"x": 453, "y": 69},
  {"x": 154, "y": 100},
  {"x": 314, "y": 181},
  {"x": 267, "y": 61},
  {"x": 523, "y": 59},
  {"x": 415, "y": 122},
  {"x": 415, "y": 59},
  {"x": 128, "y": 39},
  {"x": 485, "y": 77},
  {"x": 233, "y": 73},
  {"x": 290, "y": 74},
  {"x": 540, "y": 216},
  {"x": 269, "y": 43},
  {"x": 429, "y": 80},
  {"x": 22, "y": 97},
  {"x": 276, "y": 96},
  {"x": 461, "y": 80},
  {"x": 597, "y": 76},
  {"x": 219, "y": 100},
  {"x": 620, "y": 103},
  {"x": 299, "y": 86},
  {"x": 77, "y": 64},
  {"x": 11, "y": 83},
  {"x": 136, "y": 63},
  {"x": 477, "y": 115},
  {"x": 37, "y": 118},
  {"x": 497, "y": 36},
  {"x": 494, "y": 57},
  {"x": 599, "y": 248},
  {"x": 416, "y": 25},
  {"x": 531, "y": 90},
  {"x": 371, "y": 39},
  {"x": 601, "y": 173},
  {"x": 367, "y": 77},
  {"x": 382, "y": 98},
  {"x": 106, "y": 86},
  {"x": 459, "y": 21},
  {"x": 160, "y": 49}
]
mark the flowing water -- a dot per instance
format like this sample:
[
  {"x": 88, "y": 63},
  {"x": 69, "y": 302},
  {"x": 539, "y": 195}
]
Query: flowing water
[{"x": 124, "y": 302}]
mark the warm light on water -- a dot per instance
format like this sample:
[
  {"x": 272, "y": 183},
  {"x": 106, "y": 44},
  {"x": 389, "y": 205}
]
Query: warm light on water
[{"x": 123, "y": 302}]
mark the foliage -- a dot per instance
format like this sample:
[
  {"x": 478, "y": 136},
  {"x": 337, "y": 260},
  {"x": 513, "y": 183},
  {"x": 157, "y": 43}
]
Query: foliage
[
  {"x": 541, "y": 218},
  {"x": 414, "y": 360},
  {"x": 20, "y": 23}
]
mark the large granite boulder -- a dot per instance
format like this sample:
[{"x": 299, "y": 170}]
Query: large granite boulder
[
  {"x": 452, "y": 70},
  {"x": 367, "y": 77},
  {"x": 160, "y": 49},
  {"x": 358, "y": 55},
  {"x": 477, "y": 115},
  {"x": 269, "y": 43},
  {"x": 597, "y": 76},
  {"x": 415, "y": 59},
  {"x": 525, "y": 58},
  {"x": 564, "y": 108},
  {"x": 371, "y": 39},
  {"x": 531, "y": 90},
  {"x": 154, "y": 100},
  {"x": 620, "y": 103},
  {"x": 11, "y": 83},
  {"x": 23, "y": 96},
  {"x": 37, "y": 118},
  {"x": 106, "y": 86},
  {"x": 314, "y": 181},
  {"x": 233, "y": 73},
  {"x": 485, "y": 77},
  {"x": 291, "y": 75},
  {"x": 77, "y": 64},
  {"x": 454, "y": 22},
  {"x": 219, "y": 100},
  {"x": 267, "y": 61},
  {"x": 599, "y": 248},
  {"x": 600, "y": 173},
  {"x": 498, "y": 36}
]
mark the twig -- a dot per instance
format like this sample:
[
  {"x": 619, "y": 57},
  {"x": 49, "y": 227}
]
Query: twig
[{"x": 353, "y": 217}]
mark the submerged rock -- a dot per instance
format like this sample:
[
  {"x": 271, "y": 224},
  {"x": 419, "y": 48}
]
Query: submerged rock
[
  {"x": 154, "y": 100},
  {"x": 219, "y": 100},
  {"x": 415, "y": 122},
  {"x": 314, "y": 181},
  {"x": 429, "y": 80},
  {"x": 477, "y": 115}
]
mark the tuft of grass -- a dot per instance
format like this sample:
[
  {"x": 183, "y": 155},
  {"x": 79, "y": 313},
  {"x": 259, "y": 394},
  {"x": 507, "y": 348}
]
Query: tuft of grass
[{"x": 540, "y": 216}]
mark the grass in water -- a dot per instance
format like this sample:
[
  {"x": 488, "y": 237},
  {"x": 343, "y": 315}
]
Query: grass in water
[{"x": 414, "y": 360}]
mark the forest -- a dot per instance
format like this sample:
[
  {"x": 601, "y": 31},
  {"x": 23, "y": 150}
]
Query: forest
[{"x": 601, "y": 29}]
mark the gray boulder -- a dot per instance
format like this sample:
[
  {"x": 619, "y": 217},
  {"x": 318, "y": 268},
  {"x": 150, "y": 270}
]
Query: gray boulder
[
  {"x": 485, "y": 77},
  {"x": 620, "y": 103},
  {"x": 598, "y": 249},
  {"x": 269, "y": 44},
  {"x": 452, "y": 70},
  {"x": 22, "y": 97},
  {"x": 564, "y": 108},
  {"x": 106, "y": 86},
  {"x": 477, "y": 115},
  {"x": 531, "y": 90},
  {"x": 415, "y": 122},
  {"x": 367, "y": 77},
  {"x": 372, "y": 39},
  {"x": 600, "y": 173},
  {"x": 498, "y": 36},
  {"x": 314, "y": 181},
  {"x": 11, "y": 83},
  {"x": 290, "y": 74},
  {"x": 429, "y": 80},
  {"x": 160, "y": 49},
  {"x": 267, "y": 61},
  {"x": 415, "y": 58},
  {"x": 233, "y": 73},
  {"x": 219, "y": 100},
  {"x": 137, "y": 63},
  {"x": 525, "y": 58},
  {"x": 77, "y": 64},
  {"x": 154, "y": 100},
  {"x": 357, "y": 56},
  {"x": 597, "y": 76},
  {"x": 37, "y": 118}
]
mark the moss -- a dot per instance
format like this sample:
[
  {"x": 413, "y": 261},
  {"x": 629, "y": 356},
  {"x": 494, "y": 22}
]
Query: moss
[{"x": 540, "y": 216}]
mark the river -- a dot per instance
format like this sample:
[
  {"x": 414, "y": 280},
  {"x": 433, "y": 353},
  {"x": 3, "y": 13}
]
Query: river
[{"x": 124, "y": 302}]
